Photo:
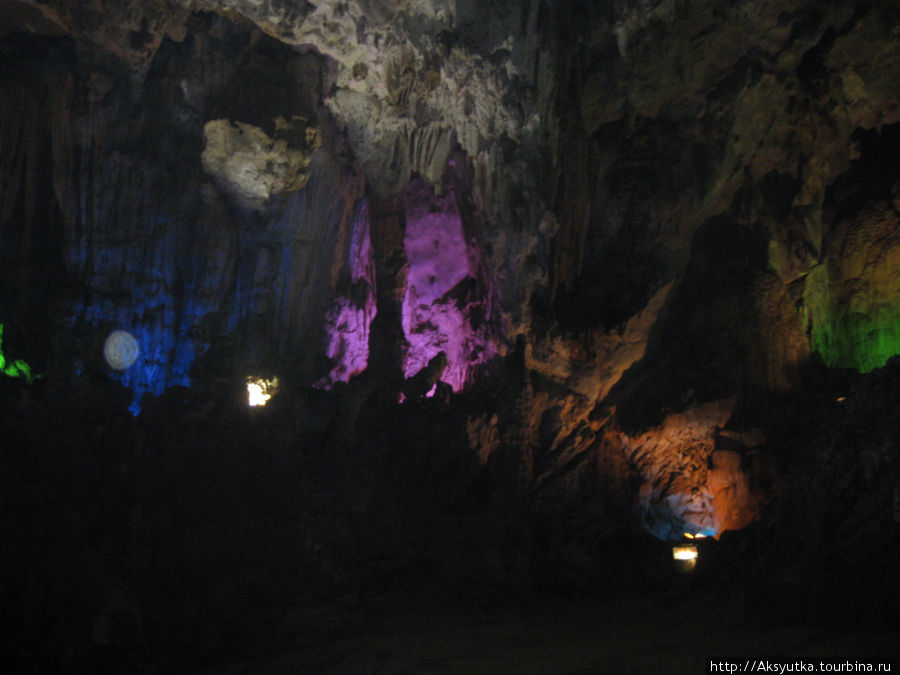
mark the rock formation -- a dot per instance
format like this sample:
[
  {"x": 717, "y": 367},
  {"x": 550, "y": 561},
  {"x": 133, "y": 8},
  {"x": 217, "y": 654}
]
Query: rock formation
[{"x": 550, "y": 270}]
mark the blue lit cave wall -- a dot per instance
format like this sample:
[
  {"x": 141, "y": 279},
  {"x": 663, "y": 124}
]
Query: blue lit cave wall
[
  {"x": 148, "y": 241},
  {"x": 199, "y": 277}
]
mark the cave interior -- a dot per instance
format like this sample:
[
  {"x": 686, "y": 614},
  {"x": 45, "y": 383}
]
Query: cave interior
[{"x": 416, "y": 336}]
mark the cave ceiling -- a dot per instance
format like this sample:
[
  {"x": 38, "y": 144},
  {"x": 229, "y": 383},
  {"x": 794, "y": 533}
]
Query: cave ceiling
[{"x": 658, "y": 209}]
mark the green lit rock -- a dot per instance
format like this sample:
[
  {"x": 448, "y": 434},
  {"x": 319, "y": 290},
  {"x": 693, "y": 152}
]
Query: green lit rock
[
  {"x": 17, "y": 368},
  {"x": 852, "y": 299},
  {"x": 860, "y": 341}
]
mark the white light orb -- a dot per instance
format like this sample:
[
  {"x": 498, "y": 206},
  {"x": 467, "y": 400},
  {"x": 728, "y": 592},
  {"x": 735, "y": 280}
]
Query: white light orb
[{"x": 120, "y": 350}]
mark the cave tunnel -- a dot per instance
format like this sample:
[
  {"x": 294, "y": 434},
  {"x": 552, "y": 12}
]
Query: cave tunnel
[{"x": 449, "y": 336}]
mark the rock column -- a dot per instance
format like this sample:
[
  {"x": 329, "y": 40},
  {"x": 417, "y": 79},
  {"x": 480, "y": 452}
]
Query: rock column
[{"x": 387, "y": 343}]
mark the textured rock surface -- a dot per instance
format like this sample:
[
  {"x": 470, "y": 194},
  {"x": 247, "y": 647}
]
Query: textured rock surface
[
  {"x": 620, "y": 259},
  {"x": 660, "y": 216},
  {"x": 253, "y": 167}
]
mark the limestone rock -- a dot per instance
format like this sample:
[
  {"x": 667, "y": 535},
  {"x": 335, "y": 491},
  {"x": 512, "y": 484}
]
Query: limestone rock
[
  {"x": 251, "y": 166},
  {"x": 688, "y": 486}
]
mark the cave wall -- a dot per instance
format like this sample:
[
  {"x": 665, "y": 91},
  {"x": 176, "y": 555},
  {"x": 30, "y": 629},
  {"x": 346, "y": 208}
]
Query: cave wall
[
  {"x": 152, "y": 234},
  {"x": 693, "y": 214},
  {"x": 662, "y": 217}
]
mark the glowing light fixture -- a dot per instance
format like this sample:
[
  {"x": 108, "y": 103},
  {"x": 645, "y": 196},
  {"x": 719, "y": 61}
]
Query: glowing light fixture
[
  {"x": 260, "y": 390},
  {"x": 685, "y": 557},
  {"x": 684, "y": 553},
  {"x": 120, "y": 350}
]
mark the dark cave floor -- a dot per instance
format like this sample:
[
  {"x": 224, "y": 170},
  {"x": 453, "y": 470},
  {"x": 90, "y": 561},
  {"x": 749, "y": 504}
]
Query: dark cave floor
[
  {"x": 437, "y": 632},
  {"x": 213, "y": 540}
]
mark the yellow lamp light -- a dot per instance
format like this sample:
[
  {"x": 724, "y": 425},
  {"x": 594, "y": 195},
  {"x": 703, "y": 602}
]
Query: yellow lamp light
[
  {"x": 685, "y": 557},
  {"x": 260, "y": 390}
]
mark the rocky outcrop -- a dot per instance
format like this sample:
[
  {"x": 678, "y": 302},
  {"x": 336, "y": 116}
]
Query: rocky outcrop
[{"x": 251, "y": 166}]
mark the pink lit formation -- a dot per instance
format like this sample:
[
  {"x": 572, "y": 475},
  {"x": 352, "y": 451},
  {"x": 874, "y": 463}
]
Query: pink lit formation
[
  {"x": 348, "y": 323},
  {"x": 434, "y": 318},
  {"x": 437, "y": 304}
]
